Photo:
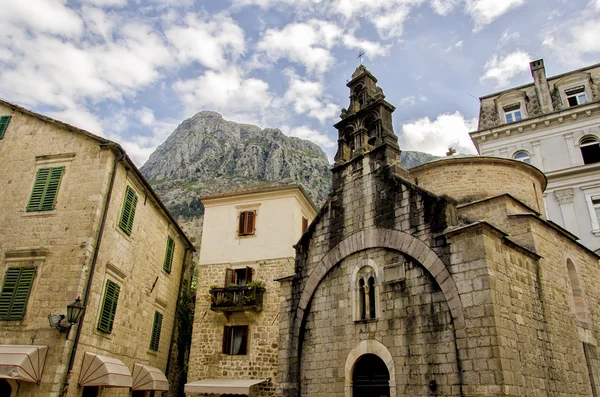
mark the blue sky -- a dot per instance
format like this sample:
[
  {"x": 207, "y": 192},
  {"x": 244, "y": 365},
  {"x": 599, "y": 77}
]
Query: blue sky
[{"x": 132, "y": 70}]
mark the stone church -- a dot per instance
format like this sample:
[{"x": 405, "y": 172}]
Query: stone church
[{"x": 445, "y": 280}]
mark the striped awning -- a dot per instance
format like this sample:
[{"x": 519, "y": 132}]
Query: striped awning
[
  {"x": 222, "y": 386},
  {"x": 22, "y": 362},
  {"x": 98, "y": 370},
  {"x": 148, "y": 378}
]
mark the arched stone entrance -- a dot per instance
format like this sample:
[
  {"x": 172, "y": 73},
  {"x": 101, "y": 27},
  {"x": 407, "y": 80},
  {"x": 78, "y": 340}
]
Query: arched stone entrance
[
  {"x": 370, "y": 377},
  {"x": 369, "y": 347}
]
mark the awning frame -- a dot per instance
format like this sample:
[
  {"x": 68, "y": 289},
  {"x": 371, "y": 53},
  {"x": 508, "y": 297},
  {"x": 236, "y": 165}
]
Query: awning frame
[
  {"x": 28, "y": 368},
  {"x": 96, "y": 371},
  {"x": 145, "y": 377}
]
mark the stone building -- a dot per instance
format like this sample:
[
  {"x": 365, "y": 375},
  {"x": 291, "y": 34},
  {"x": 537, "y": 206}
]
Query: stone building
[
  {"x": 553, "y": 124},
  {"x": 447, "y": 280},
  {"x": 247, "y": 243},
  {"x": 78, "y": 220}
]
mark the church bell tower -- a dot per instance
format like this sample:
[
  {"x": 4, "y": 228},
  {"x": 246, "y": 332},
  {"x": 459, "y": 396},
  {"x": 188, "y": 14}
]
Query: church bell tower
[{"x": 366, "y": 126}]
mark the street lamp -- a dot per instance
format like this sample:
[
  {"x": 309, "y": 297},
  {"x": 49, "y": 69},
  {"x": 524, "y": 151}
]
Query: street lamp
[{"x": 74, "y": 312}]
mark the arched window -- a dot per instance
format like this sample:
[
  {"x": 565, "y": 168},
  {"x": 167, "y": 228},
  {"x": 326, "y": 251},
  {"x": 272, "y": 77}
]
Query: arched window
[
  {"x": 522, "y": 156},
  {"x": 365, "y": 291},
  {"x": 580, "y": 306},
  {"x": 590, "y": 149},
  {"x": 362, "y": 299},
  {"x": 371, "y": 297}
]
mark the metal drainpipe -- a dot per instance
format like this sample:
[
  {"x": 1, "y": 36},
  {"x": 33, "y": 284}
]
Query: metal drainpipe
[{"x": 91, "y": 275}]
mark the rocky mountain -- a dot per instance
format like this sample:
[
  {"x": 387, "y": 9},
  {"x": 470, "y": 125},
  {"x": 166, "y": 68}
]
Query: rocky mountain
[{"x": 208, "y": 154}]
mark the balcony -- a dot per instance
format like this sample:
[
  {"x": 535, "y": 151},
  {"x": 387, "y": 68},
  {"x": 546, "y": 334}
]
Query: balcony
[{"x": 236, "y": 299}]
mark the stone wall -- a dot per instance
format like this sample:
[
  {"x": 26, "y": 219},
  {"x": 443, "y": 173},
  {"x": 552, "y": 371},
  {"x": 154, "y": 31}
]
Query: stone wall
[
  {"x": 61, "y": 244},
  {"x": 473, "y": 178},
  {"x": 206, "y": 358}
]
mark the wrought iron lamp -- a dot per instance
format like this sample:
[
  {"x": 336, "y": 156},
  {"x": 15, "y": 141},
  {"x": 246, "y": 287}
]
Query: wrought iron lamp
[{"x": 74, "y": 312}]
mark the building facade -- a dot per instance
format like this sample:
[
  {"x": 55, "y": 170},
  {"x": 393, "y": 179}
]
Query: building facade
[
  {"x": 79, "y": 221},
  {"x": 247, "y": 244},
  {"x": 553, "y": 124},
  {"x": 447, "y": 280}
]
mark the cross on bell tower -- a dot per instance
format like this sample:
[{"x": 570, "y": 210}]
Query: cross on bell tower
[{"x": 366, "y": 126}]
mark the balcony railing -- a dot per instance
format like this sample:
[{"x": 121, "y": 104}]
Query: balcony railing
[{"x": 233, "y": 299}]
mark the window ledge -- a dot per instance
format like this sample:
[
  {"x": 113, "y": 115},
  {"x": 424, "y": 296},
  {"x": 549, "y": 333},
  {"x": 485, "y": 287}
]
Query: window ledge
[
  {"x": 596, "y": 232},
  {"x": 366, "y": 320},
  {"x": 40, "y": 213},
  {"x": 152, "y": 352},
  {"x": 103, "y": 334},
  {"x": 122, "y": 233}
]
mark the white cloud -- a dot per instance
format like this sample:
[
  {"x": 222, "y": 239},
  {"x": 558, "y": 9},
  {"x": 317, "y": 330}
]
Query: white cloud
[
  {"x": 308, "y": 97},
  {"x": 80, "y": 118},
  {"x": 502, "y": 70},
  {"x": 213, "y": 41},
  {"x": 443, "y": 7},
  {"x": 314, "y": 136},
  {"x": 308, "y": 44},
  {"x": 48, "y": 16},
  {"x": 106, "y": 3},
  {"x": 435, "y": 137},
  {"x": 456, "y": 46},
  {"x": 371, "y": 49},
  {"x": 485, "y": 12},
  {"x": 507, "y": 38},
  {"x": 573, "y": 42},
  {"x": 228, "y": 92},
  {"x": 411, "y": 100}
]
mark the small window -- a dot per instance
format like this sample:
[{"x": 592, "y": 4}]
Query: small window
[
  {"x": 169, "y": 255},
  {"x": 45, "y": 189},
  {"x": 109, "y": 307},
  {"x": 15, "y": 292},
  {"x": 522, "y": 156},
  {"x": 235, "y": 340},
  {"x": 156, "y": 327},
  {"x": 576, "y": 96},
  {"x": 247, "y": 222},
  {"x": 512, "y": 113},
  {"x": 590, "y": 149},
  {"x": 128, "y": 211},
  {"x": 596, "y": 205},
  {"x": 239, "y": 277},
  {"x": 4, "y": 120},
  {"x": 366, "y": 294},
  {"x": 304, "y": 225}
]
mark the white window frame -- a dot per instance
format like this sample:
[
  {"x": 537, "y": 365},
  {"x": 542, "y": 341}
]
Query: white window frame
[
  {"x": 570, "y": 82},
  {"x": 577, "y": 95},
  {"x": 510, "y": 99},
  {"x": 593, "y": 194},
  {"x": 513, "y": 114},
  {"x": 526, "y": 160}
]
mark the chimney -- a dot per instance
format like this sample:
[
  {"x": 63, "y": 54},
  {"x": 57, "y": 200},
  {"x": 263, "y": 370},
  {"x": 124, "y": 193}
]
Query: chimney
[{"x": 541, "y": 85}]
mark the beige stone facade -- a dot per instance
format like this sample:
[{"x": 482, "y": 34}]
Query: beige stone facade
[
  {"x": 443, "y": 281},
  {"x": 278, "y": 225},
  {"x": 77, "y": 246}
]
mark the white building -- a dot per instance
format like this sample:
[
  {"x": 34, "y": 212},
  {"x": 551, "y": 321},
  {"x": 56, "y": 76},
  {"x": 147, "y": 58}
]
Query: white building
[{"x": 553, "y": 124}]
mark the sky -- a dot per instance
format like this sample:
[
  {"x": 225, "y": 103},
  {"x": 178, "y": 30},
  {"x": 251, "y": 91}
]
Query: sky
[{"x": 132, "y": 70}]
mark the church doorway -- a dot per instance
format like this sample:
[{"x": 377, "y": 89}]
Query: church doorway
[{"x": 370, "y": 377}]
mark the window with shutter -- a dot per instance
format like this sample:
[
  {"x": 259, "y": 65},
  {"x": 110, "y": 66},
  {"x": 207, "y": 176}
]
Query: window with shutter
[
  {"x": 4, "y": 120},
  {"x": 235, "y": 340},
  {"x": 156, "y": 327},
  {"x": 109, "y": 307},
  {"x": 15, "y": 292},
  {"x": 128, "y": 212},
  {"x": 45, "y": 189},
  {"x": 246, "y": 223},
  {"x": 169, "y": 255}
]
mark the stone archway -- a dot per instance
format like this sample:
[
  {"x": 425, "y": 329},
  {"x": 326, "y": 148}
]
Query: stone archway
[
  {"x": 391, "y": 239},
  {"x": 374, "y": 347}
]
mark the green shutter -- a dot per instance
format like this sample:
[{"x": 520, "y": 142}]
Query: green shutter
[
  {"x": 169, "y": 255},
  {"x": 109, "y": 307},
  {"x": 4, "y": 120},
  {"x": 45, "y": 189},
  {"x": 156, "y": 327},
  {"x": 128, "y": 212},
  {"x": 15, "y": 292}
]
